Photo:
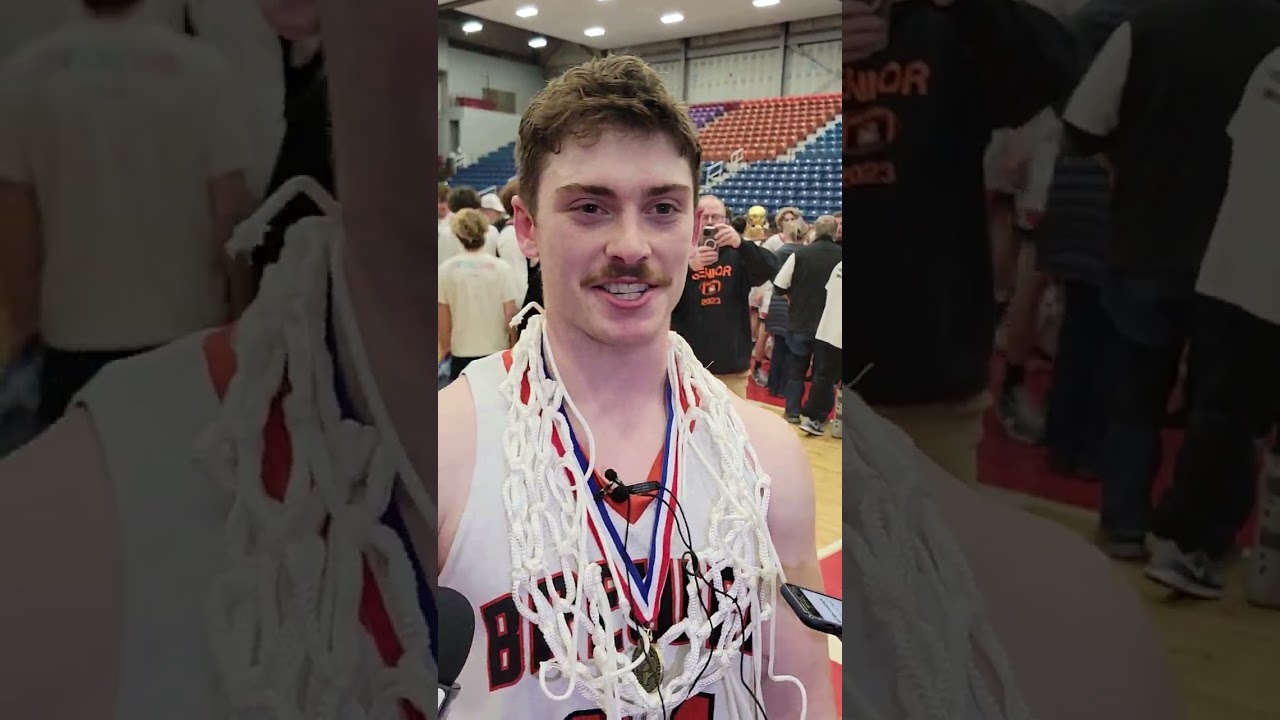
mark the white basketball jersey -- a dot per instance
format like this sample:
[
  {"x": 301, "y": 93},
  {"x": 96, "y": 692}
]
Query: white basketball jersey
[{"x": 501, "y": 677}]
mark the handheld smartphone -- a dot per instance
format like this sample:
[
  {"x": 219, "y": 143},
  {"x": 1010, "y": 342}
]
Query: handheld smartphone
[
  {"x": 709, "y": 237},
  {"x": 816, "y": 610}
]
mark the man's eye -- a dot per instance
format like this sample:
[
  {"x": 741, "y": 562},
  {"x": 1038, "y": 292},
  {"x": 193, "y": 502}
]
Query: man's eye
[
  {"x": 589, "y": 208},
  {"x": 664, "y": 208}
]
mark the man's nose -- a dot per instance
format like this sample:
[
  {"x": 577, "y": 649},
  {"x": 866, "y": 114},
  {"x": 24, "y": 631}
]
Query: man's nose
[{"x": 630, "y": 243}]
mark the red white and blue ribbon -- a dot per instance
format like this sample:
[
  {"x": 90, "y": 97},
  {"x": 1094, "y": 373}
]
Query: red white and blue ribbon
[{"x": 642, "y": 590}]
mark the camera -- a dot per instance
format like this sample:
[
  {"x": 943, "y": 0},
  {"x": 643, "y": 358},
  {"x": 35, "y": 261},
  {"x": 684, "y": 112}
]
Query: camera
[{"x": 708, "y": 237}]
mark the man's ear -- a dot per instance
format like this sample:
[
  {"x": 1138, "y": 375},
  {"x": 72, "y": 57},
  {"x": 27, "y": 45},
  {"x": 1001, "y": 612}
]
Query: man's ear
[
  {"x": 697, "y": 231},
  {"x": 526, "y": 229}
]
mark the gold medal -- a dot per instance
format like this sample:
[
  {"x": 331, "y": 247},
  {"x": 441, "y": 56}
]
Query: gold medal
[{"x": 649, "y": 671}]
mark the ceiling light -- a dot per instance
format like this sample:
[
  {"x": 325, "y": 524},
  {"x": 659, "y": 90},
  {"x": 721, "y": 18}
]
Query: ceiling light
[
  {"x": 538, "y": 42},
  {"x": 672, "y": 18},
  {"x": 764, "y": 3},
  {"x": 527, "y": 11},
  {"x": 593, "y": 31},
  {"x": 472, "y": 26}
]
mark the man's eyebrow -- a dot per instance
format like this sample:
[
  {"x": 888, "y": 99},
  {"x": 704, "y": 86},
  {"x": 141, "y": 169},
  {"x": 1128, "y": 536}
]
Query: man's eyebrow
[{"x": 604, "y": 191}]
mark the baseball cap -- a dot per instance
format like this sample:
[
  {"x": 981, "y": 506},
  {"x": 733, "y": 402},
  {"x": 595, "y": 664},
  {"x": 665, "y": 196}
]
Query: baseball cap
[{"x": 491, "y": 202}]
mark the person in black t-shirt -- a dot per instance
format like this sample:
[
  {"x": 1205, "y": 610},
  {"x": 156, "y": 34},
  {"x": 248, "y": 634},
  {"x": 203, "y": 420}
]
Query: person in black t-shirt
[
  {"x": 713, "y": 314},
  {"x": 803, "y": 280},
  {"x": 925, "y": 84}
]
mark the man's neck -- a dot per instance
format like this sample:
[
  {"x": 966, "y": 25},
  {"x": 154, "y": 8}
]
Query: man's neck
[{"x": 609, "y": 379}]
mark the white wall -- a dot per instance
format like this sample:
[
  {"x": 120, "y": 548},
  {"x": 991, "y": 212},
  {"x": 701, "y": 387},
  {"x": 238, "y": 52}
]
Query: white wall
[
  {"x": 468, "y": 75},
  {"x": 672, "y": 76},
  {"x": 483, "y": 131}
]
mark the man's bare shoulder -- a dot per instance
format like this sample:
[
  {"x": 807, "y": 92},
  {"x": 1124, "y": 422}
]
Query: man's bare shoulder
[
  {"x": 793, "y": 504},
  {"x": 774, "y": 440},
  {"x": 61, "y": 550},
  {"x": 1080, "y": 642}
]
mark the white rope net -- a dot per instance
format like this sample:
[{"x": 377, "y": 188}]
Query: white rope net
[
  {"x": 548, "y": 536},
  {"x": 916, "y": 589},
  {"x": 283, "y": 619}
]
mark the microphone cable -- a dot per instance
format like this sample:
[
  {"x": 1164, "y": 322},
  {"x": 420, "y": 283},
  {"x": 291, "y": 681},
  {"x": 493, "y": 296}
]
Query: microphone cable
[{"x": 620, "y": 492}]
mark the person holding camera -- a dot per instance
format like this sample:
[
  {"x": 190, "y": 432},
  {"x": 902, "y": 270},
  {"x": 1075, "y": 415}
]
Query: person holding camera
[{"x": 714, "y": 313}]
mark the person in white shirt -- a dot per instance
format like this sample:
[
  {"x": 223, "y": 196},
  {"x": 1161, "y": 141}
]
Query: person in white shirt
[
  {"x": 122, "y": 173},
  {"x": 785, "y": 217},
  {"x": 509, "y": 245},
  {"x": 494, "y": 212},
  {"x": 827, "y": 351},
  {"x": 442, "y": 203},
  {"x": 462, "y": 198},
  {"x": 478, "y": 296}
]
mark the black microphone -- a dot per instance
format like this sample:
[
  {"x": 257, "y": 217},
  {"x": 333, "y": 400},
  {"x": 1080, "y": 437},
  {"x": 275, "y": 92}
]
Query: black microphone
[
  {"x": 456, "y": 631},
  {"x": 612, "y": 487},
  {"x": 619, "y": 491}
]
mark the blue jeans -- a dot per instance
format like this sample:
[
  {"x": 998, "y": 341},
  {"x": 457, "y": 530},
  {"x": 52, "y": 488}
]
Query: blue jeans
[
  {"x": 1151, "y": 316},
  {"x": 1076, "y": 417},
  {"x": 779, "y": 361},
  {"x": 800, "y": 349}
]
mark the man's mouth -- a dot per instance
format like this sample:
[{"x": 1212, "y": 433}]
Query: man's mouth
[{"x": 625, "y": 290}]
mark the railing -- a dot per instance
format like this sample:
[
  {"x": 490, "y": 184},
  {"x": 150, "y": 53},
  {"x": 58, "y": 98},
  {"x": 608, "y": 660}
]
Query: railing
[
  {"x": 714, "y": 172},
  {"x": 736, "y": 160},
  {"x": 486, "y": 191}
]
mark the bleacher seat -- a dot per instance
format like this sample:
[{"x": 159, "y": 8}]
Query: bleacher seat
[
  {"x": 706, "y": 113},
  {"x": 491, "y": 170},
  {"x": 766, "y": 127},
  {"x": 810, "y": 182}
]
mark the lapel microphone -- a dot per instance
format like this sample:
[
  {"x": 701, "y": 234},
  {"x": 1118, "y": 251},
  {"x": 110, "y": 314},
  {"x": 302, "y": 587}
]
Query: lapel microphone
[{"x": 619, "y": 491}]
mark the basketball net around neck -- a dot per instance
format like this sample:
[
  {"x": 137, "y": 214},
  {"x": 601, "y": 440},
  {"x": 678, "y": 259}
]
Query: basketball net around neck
[
  {"x": 284, "y": 618},
  {"x": 546, "y": 497}
]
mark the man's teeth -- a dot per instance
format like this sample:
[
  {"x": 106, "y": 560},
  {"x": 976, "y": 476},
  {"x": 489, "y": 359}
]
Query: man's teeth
[{"x": 626, "y": 291}]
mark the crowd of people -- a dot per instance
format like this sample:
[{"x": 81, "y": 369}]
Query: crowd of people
[
  {"x": 1119, "y": 236},
  {"x": 765, "y": 310}
]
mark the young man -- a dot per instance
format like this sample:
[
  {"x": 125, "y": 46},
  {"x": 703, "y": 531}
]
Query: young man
[
  {"x": 117, "y": 540},
  {"x": 122, "y": 172},
  {"x": 615, "y": 251}
]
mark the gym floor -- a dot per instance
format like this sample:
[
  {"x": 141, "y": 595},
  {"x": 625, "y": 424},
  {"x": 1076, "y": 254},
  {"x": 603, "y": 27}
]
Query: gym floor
[{"x": 1224, "y": 654}]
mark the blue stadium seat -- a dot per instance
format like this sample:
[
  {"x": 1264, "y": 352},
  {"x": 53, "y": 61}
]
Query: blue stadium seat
[{"x": 811, "y": 181}]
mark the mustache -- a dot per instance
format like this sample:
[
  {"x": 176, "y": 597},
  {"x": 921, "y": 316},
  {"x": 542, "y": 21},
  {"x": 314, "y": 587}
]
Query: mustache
[{"x": 640, "y": 272}]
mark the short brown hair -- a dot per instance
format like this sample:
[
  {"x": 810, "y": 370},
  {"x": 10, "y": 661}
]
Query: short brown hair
[
  {"x": 616, "y": 92},
  {"x": 463, "y": 198},
  {"x": 508, "y": 192},
  {"x": 442, "y": 192},
  {"x": 470, "y": 227}
]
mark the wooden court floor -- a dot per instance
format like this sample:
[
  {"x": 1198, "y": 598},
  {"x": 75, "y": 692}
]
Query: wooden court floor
[{"x": 1225, "y": 655}]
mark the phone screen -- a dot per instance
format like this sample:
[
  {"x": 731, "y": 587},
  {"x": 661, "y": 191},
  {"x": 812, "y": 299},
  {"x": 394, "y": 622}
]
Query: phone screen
[{"x": 824, "y": 606}]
